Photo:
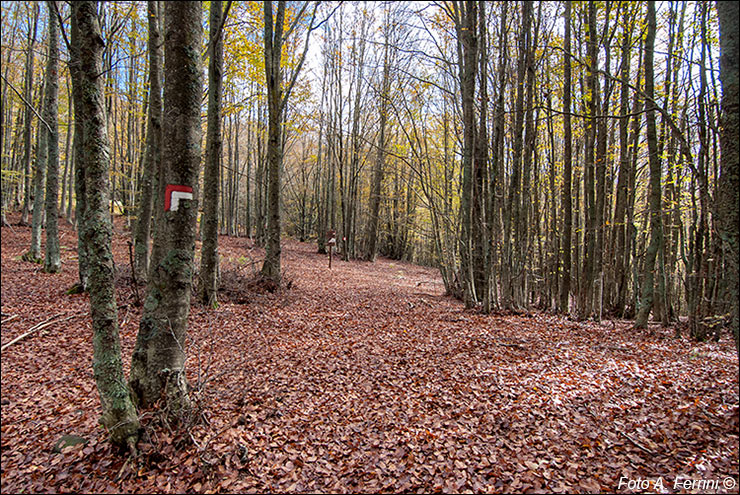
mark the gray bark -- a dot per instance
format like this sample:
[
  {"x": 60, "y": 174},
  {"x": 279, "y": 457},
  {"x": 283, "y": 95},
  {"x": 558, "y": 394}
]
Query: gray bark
[
  {"x": 567, "y": 171},
  {"x": 656, "y": 223},
  {"x": 28, "y": 117},
  {"x": 153, "y": 157},
  {"x": 729, "y": 183},
  {"x": 273, "y": 48},
  {"x": 52, "y": 261},
  {"x": 209, "y": 250},
  {"x": 158, "y": 363},
  {"x": 39, "y": 185},
  {"x": 589, "y": 254},
  {"x": 119, "y": 415},
  {"x": 83, "y": 267},
  {"x": 466, "y": 26}
]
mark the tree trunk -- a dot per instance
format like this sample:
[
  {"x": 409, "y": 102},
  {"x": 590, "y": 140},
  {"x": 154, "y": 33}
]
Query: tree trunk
[
  {"x": 729, "y": 184},
  {"x": 119, "y": 415},
  {"x": 52, "y": 261},
  {"x": 496, "y": 174},
  {"x": 656, "y": 223},
  {"x": 371, "y": 236},
  {"x": 158, "y": 363},
  {"x": 587, "y": 280},
  {"x": 620, "y": 208},
  {"x": 209, "y": 250},
  {"x": 513, "y": 273},
  {"x": 273, "y": 48},
  {"x": 66, "y": 184},
  {"x": 479, "y": 228},
  {"x": 83, "y": 264},
  {"x": 467, "y": 35},
  {"x": 153, "y": 157},
  {"x": 28, "y": 117},
  {"x": 39, "y": 184}
]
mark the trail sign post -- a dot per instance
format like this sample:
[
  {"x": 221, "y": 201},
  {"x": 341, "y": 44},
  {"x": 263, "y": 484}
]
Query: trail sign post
[{"x": 331, "y": 241}]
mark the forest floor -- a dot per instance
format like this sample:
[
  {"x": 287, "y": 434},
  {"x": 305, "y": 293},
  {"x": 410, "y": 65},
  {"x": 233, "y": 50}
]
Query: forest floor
[{"x": 364, "y": 378}]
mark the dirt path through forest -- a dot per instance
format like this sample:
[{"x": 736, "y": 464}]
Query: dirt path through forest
[{"x": 363, "y": 378}]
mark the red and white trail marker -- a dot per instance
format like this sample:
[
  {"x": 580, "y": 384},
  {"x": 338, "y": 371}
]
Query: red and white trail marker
[{"x": 173, "y": 194}]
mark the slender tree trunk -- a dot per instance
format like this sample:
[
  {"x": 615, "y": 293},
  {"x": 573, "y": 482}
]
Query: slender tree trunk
[
  {"x": 67, "y": 154},
  {"x": 586, "y": 288},
  {"x": 620, "y": 226},
  {"x": 209, "y": 250},
  {"x": 75, "y": 71},
  {"x": 28, "y": 117},
  {"x": 322, "y": 167},
  {"x": 119, "y": 415},
  {"x": 496, "y": 189},
  {"x": 153, "y": 157},
  {"x": 512, "y": 263},
  {"x": 371, "y": 236},
  {"x": 39, "y": 183},
  {"x": 273, "y": 47},
  {"x": 656, "y": 224},
  {"x": 52, "y": 260},
  {"x": 158, "y": 363},
  {"x": 467, "y": 35},
  {"x": 479, "y": 229}
]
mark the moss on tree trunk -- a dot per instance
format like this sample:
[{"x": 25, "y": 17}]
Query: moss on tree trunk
[{"x": 119, "y": 416}]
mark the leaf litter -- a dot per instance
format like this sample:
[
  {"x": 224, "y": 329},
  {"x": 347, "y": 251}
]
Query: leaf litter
[{"x": 362, "y": 378}]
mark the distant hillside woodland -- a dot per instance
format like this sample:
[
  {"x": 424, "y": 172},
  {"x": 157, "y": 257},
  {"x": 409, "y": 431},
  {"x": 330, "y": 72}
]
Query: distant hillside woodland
[{"x": 577, "y": 157}]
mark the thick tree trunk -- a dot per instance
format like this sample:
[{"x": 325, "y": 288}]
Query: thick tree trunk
[
  {"x": 209, "y": 250},
  {"x": 119, "y": 415},
  {"x": 153, "y": 157},
  {"x": 729, "y": 183},
  {"x": 52, "y": 261},
  {"x": 158, "y": 363}
]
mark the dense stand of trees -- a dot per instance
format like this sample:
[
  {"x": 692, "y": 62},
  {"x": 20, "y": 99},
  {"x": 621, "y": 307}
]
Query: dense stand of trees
[{"x": 577, "y": 157}]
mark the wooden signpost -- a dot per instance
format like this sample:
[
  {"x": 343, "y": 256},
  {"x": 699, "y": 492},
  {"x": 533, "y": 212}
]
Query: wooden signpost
[{"x": 331, "y": 241}]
